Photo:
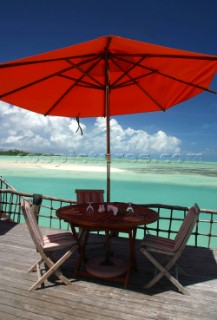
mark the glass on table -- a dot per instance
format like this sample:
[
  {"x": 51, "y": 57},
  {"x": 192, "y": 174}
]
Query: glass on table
[
  {"x": 130, "y": 211},
  {"x": 90, "y": 208}
]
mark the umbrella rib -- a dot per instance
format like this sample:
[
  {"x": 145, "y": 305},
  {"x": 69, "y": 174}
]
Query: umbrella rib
[
  {"x": 90, "y": 87},
  {"x": 86, "y": 73},
  {"x": 85, "y": 83},
  {"x": 32, "y": 83},
  {"x": 43, "y": 79},
  {"x": 22, "y": 63},
  {"x": 171, "y": 77},
  {"x": 141, "y": 88},
  {"x": 130, "y": 69},
  {"x": 129, "y": 82},
  {"x": 187, "y": 82},
  {"x": 172, "y": 56},
  {"x": 71, "y": 87},
  {"x": 62, "y": 96}
]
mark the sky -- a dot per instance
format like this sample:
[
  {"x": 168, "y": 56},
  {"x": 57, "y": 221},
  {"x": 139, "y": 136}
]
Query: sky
[{"x": 188, "y": 130}]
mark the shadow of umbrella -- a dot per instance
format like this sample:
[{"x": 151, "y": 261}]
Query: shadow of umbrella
[{"x": 104, "y": 77}]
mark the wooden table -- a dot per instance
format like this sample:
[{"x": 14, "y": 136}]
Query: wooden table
[{"x": 77, "y": 216}]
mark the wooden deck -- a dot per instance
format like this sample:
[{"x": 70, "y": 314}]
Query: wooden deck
[{"x": 91, "y": 299}]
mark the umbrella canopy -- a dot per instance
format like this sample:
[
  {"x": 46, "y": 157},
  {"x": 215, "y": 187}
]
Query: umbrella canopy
[{"x": 107, "y": 76}]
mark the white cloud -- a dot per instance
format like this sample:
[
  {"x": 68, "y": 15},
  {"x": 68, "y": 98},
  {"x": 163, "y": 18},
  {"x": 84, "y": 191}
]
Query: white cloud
[{"x": 21, "y": 129}]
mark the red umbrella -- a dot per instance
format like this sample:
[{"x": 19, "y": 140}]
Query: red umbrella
[{"x": 106, "y": 76}]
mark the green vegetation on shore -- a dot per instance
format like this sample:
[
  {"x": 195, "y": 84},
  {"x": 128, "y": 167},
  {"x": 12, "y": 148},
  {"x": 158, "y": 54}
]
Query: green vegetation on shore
[{"x": 16, "y": 152}]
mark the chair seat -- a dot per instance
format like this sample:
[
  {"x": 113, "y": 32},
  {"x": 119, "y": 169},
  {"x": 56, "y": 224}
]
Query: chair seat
[
  {"x": 158, "y": 243},
  {"x": 58, "y": 241}
]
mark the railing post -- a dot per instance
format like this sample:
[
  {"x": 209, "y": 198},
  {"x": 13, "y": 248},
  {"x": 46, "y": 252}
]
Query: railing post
[
  {"x": 1, "y": 207},
  {"x": 37, "y": 200}
]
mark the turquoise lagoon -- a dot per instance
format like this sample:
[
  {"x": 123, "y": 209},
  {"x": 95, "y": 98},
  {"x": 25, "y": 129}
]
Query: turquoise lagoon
[
  {"x": 138, "y": 181},
  {"x": 165, "y": 182}
]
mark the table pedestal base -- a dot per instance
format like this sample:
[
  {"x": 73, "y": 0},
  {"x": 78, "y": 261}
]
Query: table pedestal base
[{"x": 97, "y": 267}]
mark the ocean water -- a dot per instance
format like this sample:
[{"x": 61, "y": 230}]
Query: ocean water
[
  {"x": 138, "y": 181},
  {"x": 174, "y": 183}
]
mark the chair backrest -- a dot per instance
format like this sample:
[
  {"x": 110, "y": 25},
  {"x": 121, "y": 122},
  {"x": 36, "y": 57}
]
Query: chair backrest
[
  {"x": 85, "y": 195},
  {"x": 32, "y": 225},
  {"x": 187, "y": 227}
]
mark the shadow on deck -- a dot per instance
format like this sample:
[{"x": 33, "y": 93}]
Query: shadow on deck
[{"x": 96, "y": 299}]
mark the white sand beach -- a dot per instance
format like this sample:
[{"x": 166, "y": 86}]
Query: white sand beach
[{"x": 11, "y": 164}]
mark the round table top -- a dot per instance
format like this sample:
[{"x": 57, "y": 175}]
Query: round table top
[{"x": 77, "y": 216}]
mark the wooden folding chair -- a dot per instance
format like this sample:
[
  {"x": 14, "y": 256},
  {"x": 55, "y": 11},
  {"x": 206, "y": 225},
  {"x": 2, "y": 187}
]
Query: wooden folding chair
[
  {"x": 89, "y": 195},
  {"x": 170, "y": 249},
  {"x": 46, "y": 245}
]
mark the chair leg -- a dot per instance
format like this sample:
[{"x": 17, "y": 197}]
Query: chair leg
[
  {"x": 34, "y": 267},
  {"x": 163, "y": 272},
  {"x": 180, "y": 270},
  {"x": 53, "y": 268}
]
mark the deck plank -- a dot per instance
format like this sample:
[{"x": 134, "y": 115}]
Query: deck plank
[{"x": 96, "y": 299}]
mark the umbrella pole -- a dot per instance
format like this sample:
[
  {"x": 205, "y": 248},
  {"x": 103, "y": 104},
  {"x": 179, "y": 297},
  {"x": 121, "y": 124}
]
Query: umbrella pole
[
  {"x": 108, "y": 152},
  {"x": 108, "y": 164},
  {"x": 107, "y": 114}
]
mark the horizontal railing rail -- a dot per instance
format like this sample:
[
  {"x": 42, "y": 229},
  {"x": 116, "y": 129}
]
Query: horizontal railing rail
[{"x": 168, "y": 224}]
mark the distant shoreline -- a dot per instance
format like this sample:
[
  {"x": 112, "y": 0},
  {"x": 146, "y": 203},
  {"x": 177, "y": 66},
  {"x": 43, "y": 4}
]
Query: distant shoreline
[{"x": 4, "y": 164}]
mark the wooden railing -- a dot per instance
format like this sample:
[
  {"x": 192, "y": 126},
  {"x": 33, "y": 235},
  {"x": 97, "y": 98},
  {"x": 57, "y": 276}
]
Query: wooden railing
[
  {"x": 10, "y": 206},
  {"x": 5, "y": 185},
  {"x": 170, "y": 217}
]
